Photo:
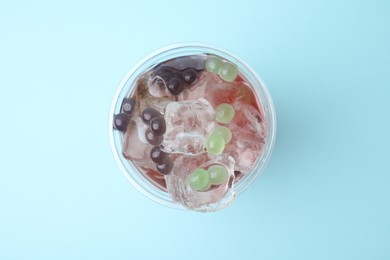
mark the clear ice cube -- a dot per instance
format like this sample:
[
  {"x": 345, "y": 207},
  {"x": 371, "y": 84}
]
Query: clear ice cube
[
  {"x": 149, "y": 94},
  {"x": 211, "y": 200},
  {"x": 217, "y": 91},
  {"x": 158, "y": 88},
  {"x": 188, "y": 124},
  {"x": 184, "y": 62},
  {"x": 135, "y": 146},
  {"x": 159, "y": 104},
  {"x": 248, "y": 136}
]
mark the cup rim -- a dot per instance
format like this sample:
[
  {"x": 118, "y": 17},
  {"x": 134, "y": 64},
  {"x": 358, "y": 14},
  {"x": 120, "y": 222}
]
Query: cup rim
[{"x": 271, "y": 121}]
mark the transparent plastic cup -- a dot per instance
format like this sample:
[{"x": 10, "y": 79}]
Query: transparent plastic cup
[{"x": 127, "y": 86}]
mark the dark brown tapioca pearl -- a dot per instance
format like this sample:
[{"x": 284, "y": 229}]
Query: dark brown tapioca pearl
[
  {"x": 158, "y": 126},
  {"x": 157, "y": 155},
  {"x": 152, "y": 138},
  {"x": 182, "y": 63},
  {"x": 190, "y": 76},
  {"x": 148, "y": 114},
  {"x": 165, "y": 72},
  {"x": 185, "y": 62},
  {"x": 175, "y": 85},
  {"x": 128, "y": 105},
  {"x": 163, "y": 69},
  {"x": 165, "y": 167},
  {"x": 121, "y": 121}
]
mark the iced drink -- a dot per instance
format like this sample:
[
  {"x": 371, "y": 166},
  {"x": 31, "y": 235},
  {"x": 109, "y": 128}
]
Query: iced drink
[{"x": 193, "y": 126}]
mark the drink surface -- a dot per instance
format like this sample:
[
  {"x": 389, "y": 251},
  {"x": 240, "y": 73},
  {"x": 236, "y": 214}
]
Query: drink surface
[{"x": 193, "y": 126}]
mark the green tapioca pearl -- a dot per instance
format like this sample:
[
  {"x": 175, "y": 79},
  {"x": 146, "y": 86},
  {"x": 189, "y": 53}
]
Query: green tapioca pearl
[
  {"x": 200, "y": 180},
  {"x": 218, "y": 174},
  {"x": 224, "y": 113},
  {"x": 224, "y": 132},
  {"x": 215, "y": 144},
  {"x": 213, "y": 64},
  {"x": 228, "y": 71}
]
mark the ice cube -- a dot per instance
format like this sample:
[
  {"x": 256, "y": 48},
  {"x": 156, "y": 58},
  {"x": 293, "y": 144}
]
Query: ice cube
[
  {"x": 185, "y": 62},
  {"x": 211, "y": 200},
  {"x": 158, "y": 88},
  {"x": 159, "y": 104},
  {"x": 217, "y": 91},
  {"x": 137, "y": 150},
  {"x": 141, "y": 89},
  {"x": 186, "y": 143},
  {"x": 188, "y": 123},
  {"x": 248, "y": 136},
  {"x": 203, "y": 86},
  {"x": 135, "y": 146},
  {"x": 149, "y": 94}
]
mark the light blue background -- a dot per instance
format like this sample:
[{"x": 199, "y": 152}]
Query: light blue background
[{"x": 324, "y": 195}]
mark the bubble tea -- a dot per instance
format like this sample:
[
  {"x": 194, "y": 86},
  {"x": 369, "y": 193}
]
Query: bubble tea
[{"x": 193, "y": 126}]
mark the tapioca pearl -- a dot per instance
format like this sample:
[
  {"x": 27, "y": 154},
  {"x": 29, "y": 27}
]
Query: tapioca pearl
[
  {"x": 200, "y": 180},
  {"x": 158, "y": 126},
  {"x": 121, "y": 122},
  {"x": 175, "y": 86},
  {"x": 224, "y": 132},
  {"x": 190, "y": 76},
  {"x": 213, "y": 64},
  {"x": 218, "y": 174},
  {"x": 165, "y": 72},
  {"x": 237, "y": 174},
  {"x": 224, "y": 113},
  {"x": 157, "y": 155},
  {"x": 165, "y": 167},
  {"x": 181, "y": 63},
  {"x": 215, "y": 144},
  {"x": 152, "y": 138},
  {"x": 228, "y": 71},
  {"x": 148, "y": 114},
  {"x": 128, "y": 105}
]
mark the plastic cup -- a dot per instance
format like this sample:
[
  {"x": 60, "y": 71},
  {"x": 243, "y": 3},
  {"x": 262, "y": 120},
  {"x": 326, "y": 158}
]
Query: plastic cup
[{"x": 127, "y": 86}]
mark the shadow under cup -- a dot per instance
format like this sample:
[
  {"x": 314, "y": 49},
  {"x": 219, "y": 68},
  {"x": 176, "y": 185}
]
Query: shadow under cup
[{"x": 127, "y": 87}]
